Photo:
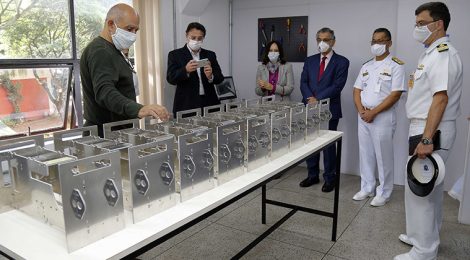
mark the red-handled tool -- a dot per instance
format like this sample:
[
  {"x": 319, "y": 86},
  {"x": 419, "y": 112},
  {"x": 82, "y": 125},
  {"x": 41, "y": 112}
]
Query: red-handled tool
[{"x": 288, "y": 30}]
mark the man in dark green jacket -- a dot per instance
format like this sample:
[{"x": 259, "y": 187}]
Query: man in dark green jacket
[{"x": 107, "y": 76}]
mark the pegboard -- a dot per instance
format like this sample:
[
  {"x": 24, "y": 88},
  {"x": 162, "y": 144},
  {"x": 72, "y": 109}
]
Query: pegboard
[{"x": 291, "y": 32}]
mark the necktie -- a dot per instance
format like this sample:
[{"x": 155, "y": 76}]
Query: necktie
[{"x": 322, "y": 67}]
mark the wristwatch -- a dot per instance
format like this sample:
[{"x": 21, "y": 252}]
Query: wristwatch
[{"x": 426, "y": 141}]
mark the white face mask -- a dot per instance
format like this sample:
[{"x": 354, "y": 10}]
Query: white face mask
[
  {"x": 195, "y": 45},
  {"x": 323, "y": 46},
  {"x": 422, "y": 33},
  {"x": 273, "y": 56},
  {"x": 123, "y": 39},
  {"x": 378, "y": 49}
]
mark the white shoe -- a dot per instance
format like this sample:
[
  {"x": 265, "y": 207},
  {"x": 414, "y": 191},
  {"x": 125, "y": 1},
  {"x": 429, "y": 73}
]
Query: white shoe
[
  {"x": 412, "y": 255},
  {"x": 403, "y": 257},
  {"x": 405, "y": 239},
  {"x": 362, "y": 195},
  {"x": 378, "y": 201}
]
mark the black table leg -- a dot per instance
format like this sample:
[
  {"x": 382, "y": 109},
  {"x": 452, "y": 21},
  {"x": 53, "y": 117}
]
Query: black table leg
[
  {"x": 338, "y": 174},
  {"x": 263, "y": 204}
]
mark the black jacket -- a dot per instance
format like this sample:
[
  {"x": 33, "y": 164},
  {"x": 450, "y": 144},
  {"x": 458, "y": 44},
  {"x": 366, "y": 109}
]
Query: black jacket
[{"x": 187, "y": 88}]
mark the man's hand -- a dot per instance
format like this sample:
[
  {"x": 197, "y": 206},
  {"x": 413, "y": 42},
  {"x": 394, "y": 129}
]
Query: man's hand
[
  {"x": 155, "y": 111},
  {"x": 422, "y": 150},
  {"x": 311, "y": 100},
  {"x": 368, "y": 115},
  {"x": 265, "y": 85},
  {"x": 208, "y": 71},
  {"x": 191, "y": 66}
]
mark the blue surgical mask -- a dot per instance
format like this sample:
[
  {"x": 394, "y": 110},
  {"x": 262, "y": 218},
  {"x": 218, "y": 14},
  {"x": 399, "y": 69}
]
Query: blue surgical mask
[
  {"x": 378, "y": 49},
  {"x": 123, "y": 39},
  {"x": 422, "y": 33},
  {"x": 195, "y": 45}
]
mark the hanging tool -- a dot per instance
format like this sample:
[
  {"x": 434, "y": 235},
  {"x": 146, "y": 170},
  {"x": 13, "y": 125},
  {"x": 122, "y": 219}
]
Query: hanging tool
[
  {"x": 261, "y": 50},
  {"x": 272, "y": 32},
  {"x": 301, "y": 47},
  {"x": 261, "y": 26},
  {"x": 302, "y": 29},
  {"x": 288, "y": 30},
  {"x": 263, "y": 43}
]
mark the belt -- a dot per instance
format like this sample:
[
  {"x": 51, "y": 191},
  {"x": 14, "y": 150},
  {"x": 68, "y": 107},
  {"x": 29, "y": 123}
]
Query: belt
[{"x": 417, "y": 120}]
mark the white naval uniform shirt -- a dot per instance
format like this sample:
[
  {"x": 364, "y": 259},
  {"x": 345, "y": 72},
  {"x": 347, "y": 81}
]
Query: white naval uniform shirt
[
  {"x": 377, "y": 79},
  {"x": 439, "y": 69}
]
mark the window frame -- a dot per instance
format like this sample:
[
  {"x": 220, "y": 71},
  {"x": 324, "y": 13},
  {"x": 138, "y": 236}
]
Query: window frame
[{"x": 73, "y": 85}]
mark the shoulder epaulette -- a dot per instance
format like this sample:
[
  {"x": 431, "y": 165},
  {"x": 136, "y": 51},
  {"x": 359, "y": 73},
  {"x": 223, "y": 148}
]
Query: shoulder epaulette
[
  {"x": 367, "y": 61},
  {"x": 442, "y": 47},
  {"x": 397, "y": 60}
]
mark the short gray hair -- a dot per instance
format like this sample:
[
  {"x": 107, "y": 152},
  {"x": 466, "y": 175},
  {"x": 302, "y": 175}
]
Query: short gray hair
[{"x": 327, "y": 30}]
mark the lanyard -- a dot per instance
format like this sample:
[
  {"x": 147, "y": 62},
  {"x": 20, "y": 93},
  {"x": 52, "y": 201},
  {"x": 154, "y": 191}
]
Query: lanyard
[{"x": 128, "y": 62}]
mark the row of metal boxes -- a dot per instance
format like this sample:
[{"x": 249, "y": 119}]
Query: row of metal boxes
[
  {"x": 80, "y": 193},
  {"x": 87, "y": 184},
  {"x": 227, "y": 143}
]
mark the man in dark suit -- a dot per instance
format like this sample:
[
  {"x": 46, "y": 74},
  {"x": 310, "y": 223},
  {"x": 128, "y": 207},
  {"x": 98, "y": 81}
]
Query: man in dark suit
[
  {"x": 324, "y": 76},
  {"x": 194, "y": 84}
]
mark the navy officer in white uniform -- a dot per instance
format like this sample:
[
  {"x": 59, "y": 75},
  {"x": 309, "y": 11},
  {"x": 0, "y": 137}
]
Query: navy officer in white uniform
[
  {"x": 377, "y": 89},
  {"x": 433, "y": 103}
]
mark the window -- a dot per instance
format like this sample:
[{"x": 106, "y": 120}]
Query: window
[
  {"x": 40, "y": 47},
  {"x": 33, "y": 100}
]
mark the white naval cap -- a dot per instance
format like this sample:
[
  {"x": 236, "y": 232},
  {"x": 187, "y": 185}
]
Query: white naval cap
[{"x": 425, "y": 174}]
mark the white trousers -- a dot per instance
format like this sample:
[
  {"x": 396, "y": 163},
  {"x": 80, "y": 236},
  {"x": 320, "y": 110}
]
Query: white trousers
[
  {"x": 376, "y": 152},
  {"x": 424, "y": 214},
  {"x": 457, "y": 189}
]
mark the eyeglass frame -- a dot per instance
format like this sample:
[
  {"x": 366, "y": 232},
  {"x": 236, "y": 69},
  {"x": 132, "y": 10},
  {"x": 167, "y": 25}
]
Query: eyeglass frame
[
  {"x": 324, "y": 40},
  {"x": 196, "y": 38},
  {"x": 379, "y": 41},
  {"x": 426, "y": 23}
]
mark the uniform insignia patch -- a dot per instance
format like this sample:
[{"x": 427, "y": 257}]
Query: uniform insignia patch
[
  {"x": 386, "y": 72},
  {"x": 365, "y": 73},
  {"x": 397, "y": 60},
  {"x": 411, "y": 80},
  {"x": 442, "y": 47}
]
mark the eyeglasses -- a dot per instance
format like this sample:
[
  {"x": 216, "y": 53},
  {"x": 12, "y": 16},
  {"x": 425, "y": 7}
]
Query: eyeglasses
[
  {"x": 196, "y": 38},
  {"x": 424, "y": 23},
  {"x": 379, "y": 41},
  {"x": 325, "y": 40}
]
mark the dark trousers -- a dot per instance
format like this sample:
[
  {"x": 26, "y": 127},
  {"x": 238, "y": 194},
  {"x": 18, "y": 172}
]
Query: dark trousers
[
  {"x": 329, "y": 158},
  {"x": 199, "y": 101}
]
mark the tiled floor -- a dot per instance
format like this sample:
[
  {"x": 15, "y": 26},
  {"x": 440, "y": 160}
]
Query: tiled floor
[{"x": 364, "y": 232}]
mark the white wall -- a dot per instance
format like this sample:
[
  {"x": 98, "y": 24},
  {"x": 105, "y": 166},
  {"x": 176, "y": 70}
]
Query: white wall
[{"x": 353, "y": 22}]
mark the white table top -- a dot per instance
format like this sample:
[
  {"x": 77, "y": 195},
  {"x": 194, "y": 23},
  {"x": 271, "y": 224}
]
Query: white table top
[{"x": 22, "y": 236}]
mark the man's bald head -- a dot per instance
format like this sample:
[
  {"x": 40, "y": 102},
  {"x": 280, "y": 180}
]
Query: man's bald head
[
  {"x": 120, "y": 11},
  {"x": 122, "y": 16}
]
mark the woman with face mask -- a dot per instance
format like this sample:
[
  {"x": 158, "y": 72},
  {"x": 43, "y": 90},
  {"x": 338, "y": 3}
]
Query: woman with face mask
[{"x": 274, "y": 76}]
